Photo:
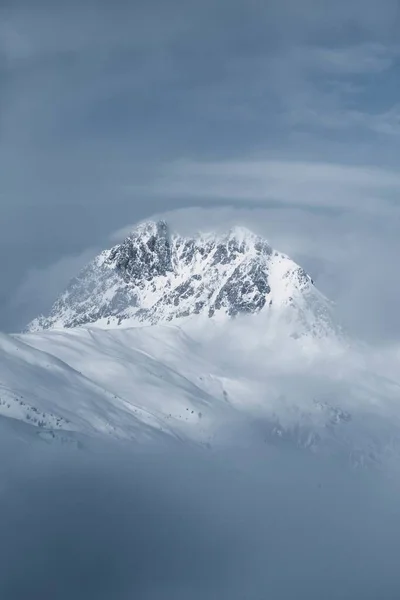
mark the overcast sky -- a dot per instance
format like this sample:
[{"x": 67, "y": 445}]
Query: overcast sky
[{"x": 283, "y": 115}]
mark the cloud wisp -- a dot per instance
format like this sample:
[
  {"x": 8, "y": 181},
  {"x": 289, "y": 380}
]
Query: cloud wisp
[{"x": 304, "y": 184}]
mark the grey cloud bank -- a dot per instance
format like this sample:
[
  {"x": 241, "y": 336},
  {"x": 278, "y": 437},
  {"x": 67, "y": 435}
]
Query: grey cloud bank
[{"x": 163, "y": 524}]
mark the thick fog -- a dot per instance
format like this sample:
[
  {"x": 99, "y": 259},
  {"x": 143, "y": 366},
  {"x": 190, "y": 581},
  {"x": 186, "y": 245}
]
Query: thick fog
[{"x": 122, "y": 523}]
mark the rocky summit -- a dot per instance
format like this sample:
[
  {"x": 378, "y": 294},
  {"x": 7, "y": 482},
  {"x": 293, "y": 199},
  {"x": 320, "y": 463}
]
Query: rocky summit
[{"x": 157, "y": 276}]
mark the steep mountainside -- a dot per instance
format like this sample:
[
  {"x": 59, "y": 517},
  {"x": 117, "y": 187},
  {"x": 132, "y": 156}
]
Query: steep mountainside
[
  {"x": 154, "y": 276},
  {"x": 42, "y": 391}
]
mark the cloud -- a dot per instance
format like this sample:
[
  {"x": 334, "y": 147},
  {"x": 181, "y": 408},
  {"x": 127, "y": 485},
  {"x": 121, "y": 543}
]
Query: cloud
[
  {"x": 357, "y": 59},
  {"x": 312, "y": 184},
  {"x": 385, "y": 123},
  {"x": 14, "y": 46},
  {"x": 344, "y": 86},
  {"x": 165, "y": 524},
  {"x": 41, "y": 286}
]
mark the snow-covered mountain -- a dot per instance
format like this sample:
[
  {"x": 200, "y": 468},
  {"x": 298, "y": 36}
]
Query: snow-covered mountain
[
  {"x": 156, "y": 276},
  {"x": 191, "y": 339}
]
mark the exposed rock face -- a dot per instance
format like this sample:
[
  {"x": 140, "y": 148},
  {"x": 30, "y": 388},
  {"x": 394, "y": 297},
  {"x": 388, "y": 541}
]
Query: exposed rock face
[{"x": 155, "y": 276}]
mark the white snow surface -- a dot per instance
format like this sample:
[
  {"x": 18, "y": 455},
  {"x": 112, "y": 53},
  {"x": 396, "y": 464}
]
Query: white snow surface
[{"x": 200, "y": 382}]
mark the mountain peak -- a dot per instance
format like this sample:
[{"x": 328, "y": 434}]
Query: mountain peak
[
  {"x": 242, "y": 233},
  {"x": 155, "y": 276},
  {"x": 150, "y": 228}
]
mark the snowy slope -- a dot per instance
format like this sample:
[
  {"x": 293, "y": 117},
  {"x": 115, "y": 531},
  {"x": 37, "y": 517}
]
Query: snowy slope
[
  {"x": 42, "y": 390},
  {"x": 155, "y": 276},
  {"x": 197, "y": 382}
]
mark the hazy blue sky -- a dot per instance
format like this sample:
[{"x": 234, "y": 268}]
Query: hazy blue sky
[{"x": 285, "y": 112}]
